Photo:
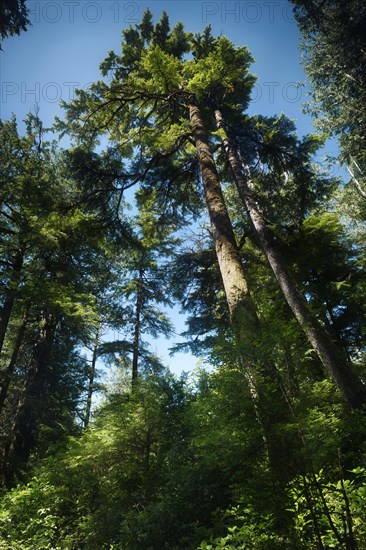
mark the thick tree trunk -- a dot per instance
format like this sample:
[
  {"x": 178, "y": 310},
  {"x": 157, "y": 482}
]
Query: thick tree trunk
[
  {"x": 236, "y": 288},
  {"x": 331, "y": 357},
  {"x": 271, "y": 410},
  {"x": 6, "y": 309},
  {"x": 24, "y": 427},
  {"x": 91, "y": 379},
  {"x": 6, "y": 375},
  {"x": 136, "y": 338}
]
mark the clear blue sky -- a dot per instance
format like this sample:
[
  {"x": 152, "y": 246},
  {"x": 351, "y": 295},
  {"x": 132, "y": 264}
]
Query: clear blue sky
[{"x": 63, "y": 48}]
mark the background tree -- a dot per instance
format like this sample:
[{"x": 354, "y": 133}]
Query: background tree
[
  {"x": 334, "y": 48},
  {"x": 49, "y": 309},
  {"x": 13, "y": 18}
]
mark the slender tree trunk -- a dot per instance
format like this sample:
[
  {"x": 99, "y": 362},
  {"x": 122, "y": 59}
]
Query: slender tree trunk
[
  {"x": 332, "y": 328},
  {"x": 24, "y": 427},
  {"x": 349, "y": 537},
  {"x": 313, "y": 513},
  {"x": 331, "y": 357},
  {"x": 5, "y": 311},
  {"x": 8, "y": 373},
  {"x": 136, "y": 339},
  {"x": 91, "y": 379}
]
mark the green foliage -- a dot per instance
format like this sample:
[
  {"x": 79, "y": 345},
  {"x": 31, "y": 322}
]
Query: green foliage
[
  {"x": 222, "y": 75},
  {"x": 163, "y": 70},
  {"x": 13, "y": 18},
  {"x": 334, "y": 56},
  {"x": 157, "y": 466},
  {"x": 246, "y": 530},
  {"x": 42, "y": 218},
  {"x": 337, "y": 507},
  {"x": 96, "y": 490},
  {"x": 322, "y": 511}
]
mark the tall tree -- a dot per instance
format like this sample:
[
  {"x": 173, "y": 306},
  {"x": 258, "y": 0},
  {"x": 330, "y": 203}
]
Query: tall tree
[
  {"x": 334, "y": 48},
  {"x": 50, "y": 306},
  {"x": 141, "y": 289},
  {"x": 153, "y": 100},
  {"x": 16, "y": 208},
  {"x": 178, "y": 99}
]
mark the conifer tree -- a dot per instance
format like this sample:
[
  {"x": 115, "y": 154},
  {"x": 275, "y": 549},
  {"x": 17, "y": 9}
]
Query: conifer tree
[
  {"x": 49, "y": 308},
  {"x": 334, "y": 46},
  {"x": 155, "y": 91}
]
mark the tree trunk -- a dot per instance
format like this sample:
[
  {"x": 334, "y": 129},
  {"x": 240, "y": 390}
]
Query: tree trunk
[
  {"x": 271, "y": 410},
  {"x": 8, "y": 373},
  {"x": 136, "y": 339},
  {"x": 240, "y": 305},
  {"x": 333, "y": 360},
  {"x": 91, "y": 379},
  {"x": 23, "y": 431},
  {"x": 10, "y": 295}
]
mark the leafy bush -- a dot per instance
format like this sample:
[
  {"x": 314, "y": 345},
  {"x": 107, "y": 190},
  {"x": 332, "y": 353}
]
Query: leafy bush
[
  {"x": 247, "y": 529},
  {"x": 332, "y": 512}
]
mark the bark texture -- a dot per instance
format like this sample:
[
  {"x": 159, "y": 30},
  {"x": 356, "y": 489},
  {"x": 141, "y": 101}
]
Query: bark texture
[
  {"x": 24, "y": 428},
  {"x": 236, "y": 288},
  {"x": 6, "y": 309},
  {"x": 6, "y": 375}
]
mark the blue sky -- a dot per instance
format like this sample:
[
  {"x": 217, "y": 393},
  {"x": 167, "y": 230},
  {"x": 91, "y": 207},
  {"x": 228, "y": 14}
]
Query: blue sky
[{"x": 67, "y": 41}]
